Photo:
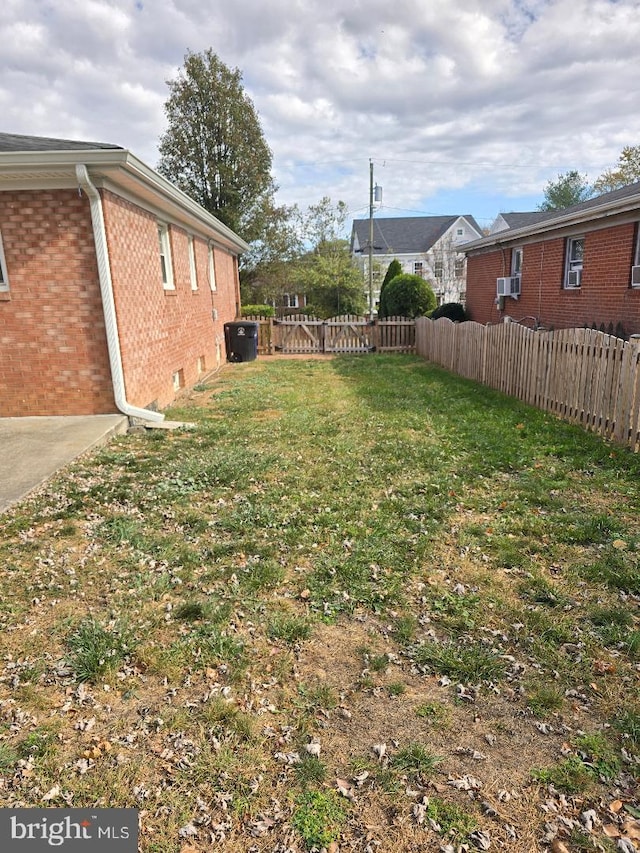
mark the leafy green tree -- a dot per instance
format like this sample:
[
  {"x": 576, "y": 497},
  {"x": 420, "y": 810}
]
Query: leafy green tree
[
  {"x": 214, "y": 148},
  {"x": 407, "y": 295},
  {"x": 331, "y": 281},
  {"x": 626, "y": 172},
  {"x": 267, "y": 267},
  {"x": 327, "y": 273},
  {"x": 569, "y": 188}
]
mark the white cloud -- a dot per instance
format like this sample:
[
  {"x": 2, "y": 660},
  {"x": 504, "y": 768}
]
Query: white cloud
[{"x": 492, "y": 96}]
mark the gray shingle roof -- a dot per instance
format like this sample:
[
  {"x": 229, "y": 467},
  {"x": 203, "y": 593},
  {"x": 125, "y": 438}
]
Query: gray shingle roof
[
  {"x": 520, "y": 220},
  {"x": 405, "y": 234},
  {"x": 607, "y": 204},
  {"x": 16, "y": 142}
]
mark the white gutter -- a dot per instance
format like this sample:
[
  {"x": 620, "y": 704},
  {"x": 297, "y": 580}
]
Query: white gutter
[{"x": 108, "y": 303}]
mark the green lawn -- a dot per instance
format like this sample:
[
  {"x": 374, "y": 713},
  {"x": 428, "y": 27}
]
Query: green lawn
[{"x": 364, "y": 602}]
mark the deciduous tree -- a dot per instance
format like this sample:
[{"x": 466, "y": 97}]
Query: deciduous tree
[
  {"x": 214, "y": 148},
  {"x": 569, "y": 188},
  {"x": 626, "y": 172}
]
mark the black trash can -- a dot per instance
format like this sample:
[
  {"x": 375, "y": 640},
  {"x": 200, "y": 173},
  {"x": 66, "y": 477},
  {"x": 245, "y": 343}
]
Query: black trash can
[{"x": 241, "y": 340}]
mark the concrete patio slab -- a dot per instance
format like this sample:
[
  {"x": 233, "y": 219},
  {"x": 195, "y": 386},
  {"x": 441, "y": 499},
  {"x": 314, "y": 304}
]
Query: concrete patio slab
[{"x": 35, "y": 448}]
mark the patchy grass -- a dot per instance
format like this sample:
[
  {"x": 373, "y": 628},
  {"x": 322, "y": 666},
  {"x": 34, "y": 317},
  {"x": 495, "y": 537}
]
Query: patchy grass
[{"x": 362, "y": 557}]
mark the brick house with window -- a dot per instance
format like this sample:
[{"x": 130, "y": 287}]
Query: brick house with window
[
  {"x": 571, "y": 268},
  {"x": 114, "y": 284}
]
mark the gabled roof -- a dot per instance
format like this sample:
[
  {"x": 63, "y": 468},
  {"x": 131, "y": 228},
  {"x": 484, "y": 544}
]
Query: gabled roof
[
  {"x": 39, "y": 162},
  {"x": 620, "y": 201},
  {"x": 404, "y": 235},
  {"x": 517, "y": 219}
]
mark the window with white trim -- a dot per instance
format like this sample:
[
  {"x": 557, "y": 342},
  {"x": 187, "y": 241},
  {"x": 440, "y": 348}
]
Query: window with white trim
[
  {"x": 458, "y": 267},
  {"x": 573, "y": 263},
  {"x": 212, "y": 268},
  {"x": 635, "y": 269},
  {"x": 438, "y": 268},
  {"x": 4, "y": 277},
  {"x": 291, "y": 300},
  {"x": 418, "y": 268},
  {"x": 193, "y": 276},
  {"x": 516, "y": 260},
  {"x": 165, "y": 257}
]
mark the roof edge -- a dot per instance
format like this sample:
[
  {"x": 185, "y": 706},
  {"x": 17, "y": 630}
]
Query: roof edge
[{"x": 106, "y": 163}]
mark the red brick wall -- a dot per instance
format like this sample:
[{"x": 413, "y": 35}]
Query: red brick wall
[
  {"x": 53, "y": 351},
  {"x": 164, "y": 332},
  {"x": 604, "y": 298}
]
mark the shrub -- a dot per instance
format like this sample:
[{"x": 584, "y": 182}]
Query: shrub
[
  {"x": 452, "y": 310},
  {"x": 407, "y": 295},
  {"x": 394, "y": 269},
  {"x": 258, "y": 311}
]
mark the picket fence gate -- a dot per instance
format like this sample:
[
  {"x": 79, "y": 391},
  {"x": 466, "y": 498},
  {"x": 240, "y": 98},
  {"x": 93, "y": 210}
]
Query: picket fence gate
[{"x": 348, "y": 333}]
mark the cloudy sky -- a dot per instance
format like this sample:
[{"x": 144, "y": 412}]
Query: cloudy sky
[{"x": 464, "y": 106}]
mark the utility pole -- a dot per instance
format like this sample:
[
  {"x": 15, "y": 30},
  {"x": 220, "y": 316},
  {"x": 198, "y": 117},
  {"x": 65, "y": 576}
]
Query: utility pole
[{"x": 371, "y": 239}]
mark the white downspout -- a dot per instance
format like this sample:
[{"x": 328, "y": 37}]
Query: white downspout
[{"x": 108, "y": 303}]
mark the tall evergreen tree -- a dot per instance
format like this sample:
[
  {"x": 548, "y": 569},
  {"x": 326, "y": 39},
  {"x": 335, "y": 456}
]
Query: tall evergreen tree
[
  {"x": 214, "y": 148},
  {"x": 394, "y": 269}
]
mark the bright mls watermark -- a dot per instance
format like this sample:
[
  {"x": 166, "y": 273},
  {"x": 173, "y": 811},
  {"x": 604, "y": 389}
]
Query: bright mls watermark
[{"x": 69, "y": 830}]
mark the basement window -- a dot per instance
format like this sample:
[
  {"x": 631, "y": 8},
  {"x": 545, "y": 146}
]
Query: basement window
[
  {"x": 178, "y": 380},
  {"x": 4, "y": 278}
]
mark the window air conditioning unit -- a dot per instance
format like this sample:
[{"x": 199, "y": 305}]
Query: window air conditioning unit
[
  {"x": 509, "y": 286},
  {"x": 635, "y": 276},
  {"x": 574, "y": 278}
]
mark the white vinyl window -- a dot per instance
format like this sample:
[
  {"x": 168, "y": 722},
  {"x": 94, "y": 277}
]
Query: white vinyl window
[
  {"x": 516, "y": 261},
  {"x": 291, "y": 300},
  {"x": 573, "y": 263},
  {"x": 438, "y": 269},
  {"x": 193, "y": 276},
  {"x": 635, "y": 269},
  {"x": 458, "y": 267},
  {"x": 4, "y": 278},
  {"x": 418, "y": 268},
  {"x": 212, "y": 269},
  {"x": 165, "y": 257}
]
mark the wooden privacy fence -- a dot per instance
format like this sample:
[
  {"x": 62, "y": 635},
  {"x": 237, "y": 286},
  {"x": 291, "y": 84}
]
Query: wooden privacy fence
[
  {"x": 581, "y": 375},
  {"x": 345, "y": 334}
]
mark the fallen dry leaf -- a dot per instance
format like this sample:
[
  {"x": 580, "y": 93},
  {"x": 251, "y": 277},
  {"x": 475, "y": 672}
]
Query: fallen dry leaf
[{"x": 631, "y": 828}]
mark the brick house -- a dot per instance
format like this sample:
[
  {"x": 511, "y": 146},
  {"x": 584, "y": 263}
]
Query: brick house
[
  {"x": 571, "y": 268},
  {"x": 114, "y": 285},
  {"x": 428, "y": 246}
]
